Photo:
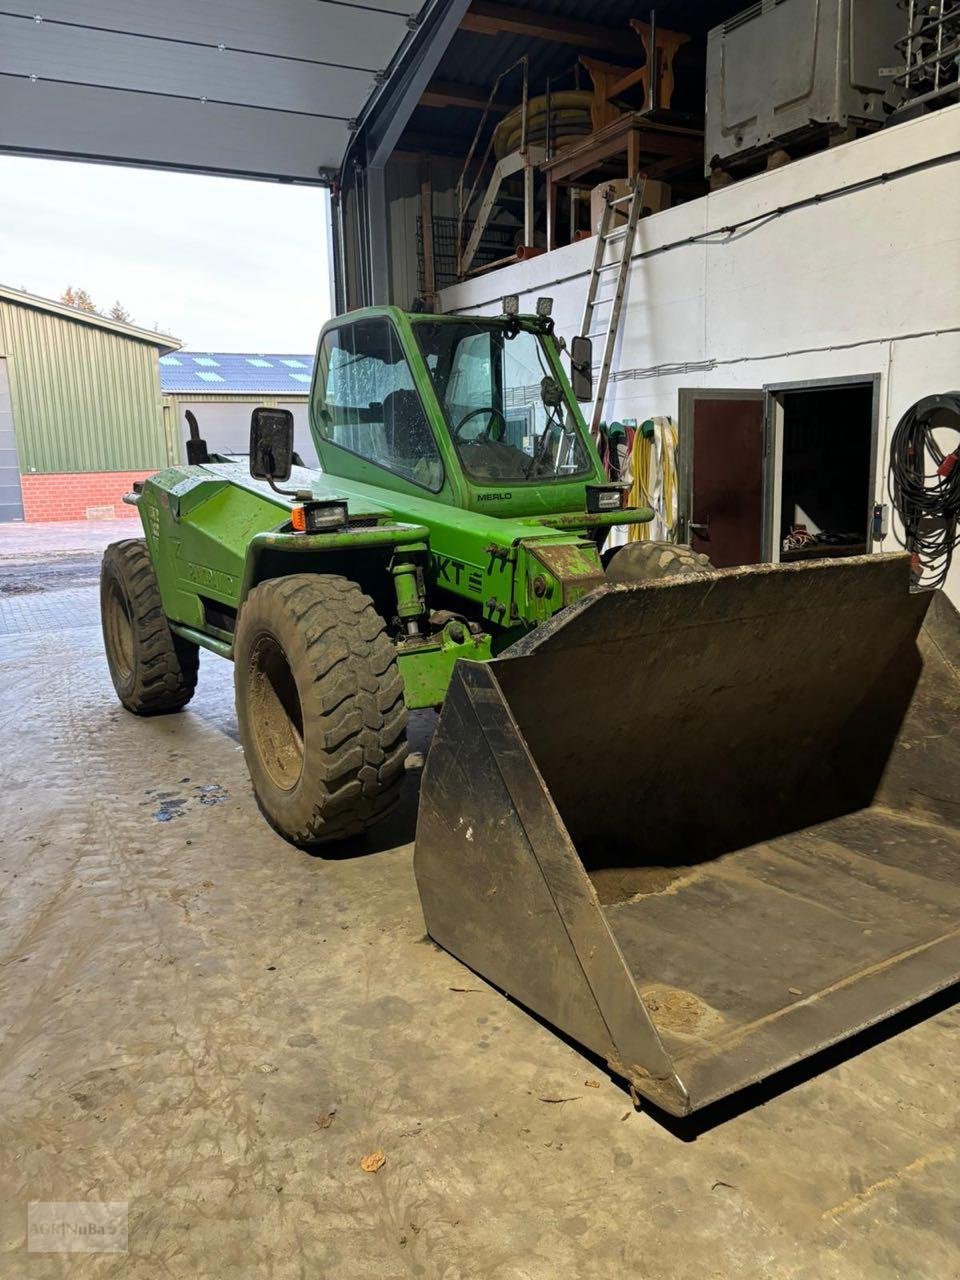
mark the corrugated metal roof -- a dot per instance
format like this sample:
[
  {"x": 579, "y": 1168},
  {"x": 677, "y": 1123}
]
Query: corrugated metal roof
[
  {"x": 162, "y": 341},
  {"x": 232, "y": 371},
  {"x": 476, "y": 60},
  {"x": 677, "y": 15},
  {"x": 693, "y": 16}
]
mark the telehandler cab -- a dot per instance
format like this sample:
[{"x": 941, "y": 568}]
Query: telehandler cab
[{"x": 681, "y": 813}]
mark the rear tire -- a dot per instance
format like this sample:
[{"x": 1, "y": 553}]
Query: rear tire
[
  {"x": 320, "y": 707},
  {"x": 648, "y": 561},
  {"x": 153, "y": 670}
]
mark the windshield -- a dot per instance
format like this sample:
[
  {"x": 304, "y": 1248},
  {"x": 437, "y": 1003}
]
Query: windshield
[{"x": 504, "y": 409}]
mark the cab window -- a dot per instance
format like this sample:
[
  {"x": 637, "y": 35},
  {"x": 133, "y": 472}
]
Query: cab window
[
  {"x": 367, "y": 403},
  {"x": 490, "y": 381}
]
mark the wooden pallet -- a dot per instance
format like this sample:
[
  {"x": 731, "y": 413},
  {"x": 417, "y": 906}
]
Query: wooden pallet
[{"x": 816, "y": 137}]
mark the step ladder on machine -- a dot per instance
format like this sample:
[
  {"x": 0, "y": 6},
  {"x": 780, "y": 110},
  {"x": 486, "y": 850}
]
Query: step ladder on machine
[{"x": 608, "y": 235}]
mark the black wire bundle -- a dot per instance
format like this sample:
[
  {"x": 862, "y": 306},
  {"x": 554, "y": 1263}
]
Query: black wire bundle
[{"x": 927, "y": 500}]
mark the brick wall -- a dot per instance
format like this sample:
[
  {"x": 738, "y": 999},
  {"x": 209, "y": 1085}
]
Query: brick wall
[{"x": 93, "y": 495}]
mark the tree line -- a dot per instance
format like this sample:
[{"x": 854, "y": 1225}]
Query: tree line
[{"x": 81, "y": 299}]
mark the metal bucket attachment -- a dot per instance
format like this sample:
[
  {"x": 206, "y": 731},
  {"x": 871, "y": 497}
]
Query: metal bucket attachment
[{"x": 707, "y": 826}]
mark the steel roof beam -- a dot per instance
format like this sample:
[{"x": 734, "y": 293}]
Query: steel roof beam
[
  {"x": 444, "y": 93},
  {"x": 487, "y": 18}
]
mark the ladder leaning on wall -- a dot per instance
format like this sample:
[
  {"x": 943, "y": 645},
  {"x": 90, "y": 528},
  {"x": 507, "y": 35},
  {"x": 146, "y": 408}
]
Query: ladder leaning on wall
[{"x": 626, "y": 234}]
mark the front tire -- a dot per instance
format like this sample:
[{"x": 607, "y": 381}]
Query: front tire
[
  {"x": 648, "y": 561},
  {"x": 153, "y": 670},
  {"x": 320, "y": 707}
]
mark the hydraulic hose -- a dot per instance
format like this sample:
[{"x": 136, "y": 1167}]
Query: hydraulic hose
[{"x": 924, "y": 483}]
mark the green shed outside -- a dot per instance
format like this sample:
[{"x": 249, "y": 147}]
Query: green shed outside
[{"x": 81, "y": 415}]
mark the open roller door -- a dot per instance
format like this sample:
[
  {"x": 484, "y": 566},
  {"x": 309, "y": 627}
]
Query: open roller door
[{"x": 241, "y": 87}]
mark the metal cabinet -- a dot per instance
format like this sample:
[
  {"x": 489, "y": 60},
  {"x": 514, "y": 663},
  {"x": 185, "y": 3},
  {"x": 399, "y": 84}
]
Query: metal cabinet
[{"x": 785, "y": 68}]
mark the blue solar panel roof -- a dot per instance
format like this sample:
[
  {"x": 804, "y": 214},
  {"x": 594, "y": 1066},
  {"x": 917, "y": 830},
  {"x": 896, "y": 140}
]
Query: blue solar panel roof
[{"x": 235, "y": 372}]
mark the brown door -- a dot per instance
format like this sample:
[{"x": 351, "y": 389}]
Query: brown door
[{"x": 726, "y": 476}]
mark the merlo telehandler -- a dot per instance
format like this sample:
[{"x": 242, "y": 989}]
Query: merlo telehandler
[{"x": 704, "y": 821}]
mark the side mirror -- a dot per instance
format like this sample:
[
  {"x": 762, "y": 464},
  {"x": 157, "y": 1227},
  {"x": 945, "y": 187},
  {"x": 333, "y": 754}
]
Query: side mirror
[
  {"x": 581, "y": 368},
  {"x": 271, "y": 444}
]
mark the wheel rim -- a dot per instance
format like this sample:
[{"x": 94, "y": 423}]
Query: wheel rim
[
  {"x": 119, "y": 632},
  {"x": 275, "y": 714}
]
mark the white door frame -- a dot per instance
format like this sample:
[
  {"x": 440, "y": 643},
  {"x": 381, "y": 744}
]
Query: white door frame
[{"x": 773, "y": 463}]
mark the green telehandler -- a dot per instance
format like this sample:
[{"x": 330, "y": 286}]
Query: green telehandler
[{"x": 706, "y": 822}]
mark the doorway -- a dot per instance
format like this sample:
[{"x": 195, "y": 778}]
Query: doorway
[
  {"x": 823, "y": 456},
  {"x": 11, "y": 499},
  {"x": 779, "y": 473}
]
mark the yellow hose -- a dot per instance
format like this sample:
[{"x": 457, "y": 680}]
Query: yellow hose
[
  {"x": 653, "y": 466},
  {"x": 565, "y": 107}
]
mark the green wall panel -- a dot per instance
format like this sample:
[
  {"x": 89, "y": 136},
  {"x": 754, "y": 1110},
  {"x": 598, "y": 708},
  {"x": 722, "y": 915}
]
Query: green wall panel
[{"x": 84, "y": 398}]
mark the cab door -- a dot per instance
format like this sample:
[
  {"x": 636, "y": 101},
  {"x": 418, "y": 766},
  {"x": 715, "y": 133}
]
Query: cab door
[{"x": 367, "y": 415}]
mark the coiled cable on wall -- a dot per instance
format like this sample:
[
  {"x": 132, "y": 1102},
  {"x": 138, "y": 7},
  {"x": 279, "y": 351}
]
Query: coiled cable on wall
[{"x": 924, "y": 483}]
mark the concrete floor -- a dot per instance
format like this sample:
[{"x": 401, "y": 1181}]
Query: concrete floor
[
  {"x": 55, "y": 538},
  {"x": 185, "y": 1000}
]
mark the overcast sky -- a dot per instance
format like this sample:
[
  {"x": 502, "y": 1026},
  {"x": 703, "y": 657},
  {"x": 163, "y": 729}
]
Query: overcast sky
[{"x": 223, "y": 264}]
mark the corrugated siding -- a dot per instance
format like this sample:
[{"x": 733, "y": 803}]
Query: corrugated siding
[
  {"x": 84, "y": 399},
  {"x": 176, "y": 429},
  {"x": 173, "y": 405}
]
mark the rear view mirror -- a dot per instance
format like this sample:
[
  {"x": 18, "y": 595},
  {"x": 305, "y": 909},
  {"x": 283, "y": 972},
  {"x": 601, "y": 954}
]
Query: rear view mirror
[
  {"x": 271, "y": 444},
  {"x": 581, "y": 368}
]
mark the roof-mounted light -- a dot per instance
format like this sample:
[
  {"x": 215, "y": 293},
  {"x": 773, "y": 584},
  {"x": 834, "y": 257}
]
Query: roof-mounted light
[
  {"x": 544, "y": 308},
  {"x": 511, "y": 304}
]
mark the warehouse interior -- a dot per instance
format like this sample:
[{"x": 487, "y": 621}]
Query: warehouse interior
[
  {"x": 692, "y": 95},
  {"x": 534, "y": 122},
  {"x": 511, "y": 832}
]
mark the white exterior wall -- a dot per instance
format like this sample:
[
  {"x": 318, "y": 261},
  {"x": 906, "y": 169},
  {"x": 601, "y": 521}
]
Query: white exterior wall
[{"x": 867, "y": 283}]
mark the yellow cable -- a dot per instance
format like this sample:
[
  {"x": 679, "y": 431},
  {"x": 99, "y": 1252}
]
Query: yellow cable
[
  {"x": 637, "y": 532},
  {"x": 655, "y": 459},
  {"x": 670, "y": 479}
]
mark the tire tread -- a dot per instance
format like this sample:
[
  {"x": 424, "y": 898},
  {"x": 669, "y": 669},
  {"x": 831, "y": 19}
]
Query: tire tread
[
  {"x": 165, "y": 666},
  {"x": 350, "y": 688}
]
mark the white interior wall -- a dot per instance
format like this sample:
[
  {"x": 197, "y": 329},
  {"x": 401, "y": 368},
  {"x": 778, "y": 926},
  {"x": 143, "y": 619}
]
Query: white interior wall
[{"x": 868, "y": 282}]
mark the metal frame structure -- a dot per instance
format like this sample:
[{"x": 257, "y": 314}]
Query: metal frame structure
[
  {"x": 943, "y": 28},
  {"x": 517, "y": 162},
  {"x": 525, "y": 159},
  {"x": 386, "y": 118}
]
